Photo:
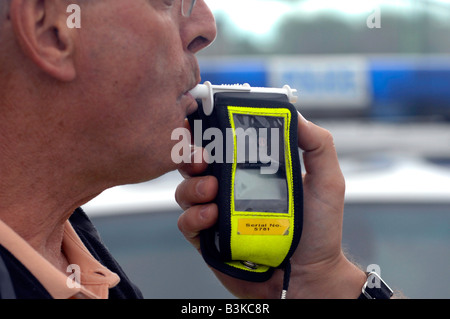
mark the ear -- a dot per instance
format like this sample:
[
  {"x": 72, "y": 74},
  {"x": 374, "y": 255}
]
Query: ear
[{"x": 41, "y": 30}]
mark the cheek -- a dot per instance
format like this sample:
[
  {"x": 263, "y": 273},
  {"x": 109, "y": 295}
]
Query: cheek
[
  {"x": 132, "y": 41},
  {"x": 150, "y": 126},
  {"x": 135, "y": 75}
]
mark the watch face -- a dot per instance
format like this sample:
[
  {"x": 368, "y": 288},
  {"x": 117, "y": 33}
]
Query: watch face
[
  {"x": 260, "y": 177},
  {"x": 376, "y": 288}
]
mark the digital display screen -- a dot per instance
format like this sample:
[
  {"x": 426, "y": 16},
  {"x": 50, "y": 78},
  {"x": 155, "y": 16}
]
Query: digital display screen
[
  {"x": 251, "y": 184},
  {"x": 260, "y": 178}
]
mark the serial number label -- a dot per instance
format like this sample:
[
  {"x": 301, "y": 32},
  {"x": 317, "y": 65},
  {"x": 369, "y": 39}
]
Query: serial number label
[{"x": 263, "y": 226}]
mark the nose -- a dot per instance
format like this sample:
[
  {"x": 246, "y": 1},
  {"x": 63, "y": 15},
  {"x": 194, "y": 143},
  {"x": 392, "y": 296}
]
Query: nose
[{"x": 199, "y": 30}]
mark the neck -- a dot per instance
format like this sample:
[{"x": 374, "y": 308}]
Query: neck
[
  {"x": 38, "y": 215},
  {"x": 44, "y": 173},
  {"x": 40, "y": 187}
]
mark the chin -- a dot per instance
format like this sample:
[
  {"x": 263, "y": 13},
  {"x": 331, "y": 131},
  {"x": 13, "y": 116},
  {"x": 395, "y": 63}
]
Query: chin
[{"x": 156, "y": 169}]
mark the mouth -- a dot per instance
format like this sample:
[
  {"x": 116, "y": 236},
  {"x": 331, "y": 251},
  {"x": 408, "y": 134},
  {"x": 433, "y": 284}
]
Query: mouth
[{"x": 193, "y": 105}]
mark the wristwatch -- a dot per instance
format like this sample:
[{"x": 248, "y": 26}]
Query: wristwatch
[{"x": 375, "y": 288}]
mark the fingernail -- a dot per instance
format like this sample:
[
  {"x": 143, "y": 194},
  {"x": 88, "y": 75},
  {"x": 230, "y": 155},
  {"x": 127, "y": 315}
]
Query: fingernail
[
  {"x": 204, "y": 212},
  {"x": 200, "y": 187}
]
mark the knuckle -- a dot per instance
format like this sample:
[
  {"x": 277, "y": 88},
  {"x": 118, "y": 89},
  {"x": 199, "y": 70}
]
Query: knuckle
[{"x": 328, "y": 138}]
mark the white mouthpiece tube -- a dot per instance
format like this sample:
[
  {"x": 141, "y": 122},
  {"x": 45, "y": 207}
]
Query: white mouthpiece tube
[{"x": 206, "y": 92}]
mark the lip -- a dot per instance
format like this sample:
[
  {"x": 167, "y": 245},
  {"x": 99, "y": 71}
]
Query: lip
[{"x": 193, "y": 105}]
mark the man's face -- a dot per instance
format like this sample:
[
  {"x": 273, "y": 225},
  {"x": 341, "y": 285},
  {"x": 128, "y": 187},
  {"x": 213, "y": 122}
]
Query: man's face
[{"x": 136, "y": 62}]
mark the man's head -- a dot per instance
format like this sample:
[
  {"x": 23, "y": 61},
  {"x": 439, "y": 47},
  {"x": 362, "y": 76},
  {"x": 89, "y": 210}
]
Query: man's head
[{"x": 105, "y": 97}]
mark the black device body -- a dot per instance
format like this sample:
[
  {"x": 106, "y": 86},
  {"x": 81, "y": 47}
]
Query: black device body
[{"x": 215, "y": 241}]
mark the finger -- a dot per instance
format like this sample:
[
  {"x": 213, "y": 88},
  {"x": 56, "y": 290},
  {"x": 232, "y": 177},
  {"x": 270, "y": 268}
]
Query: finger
[
  {"x": 319, "y": 149},
  {"x": 196, "y": 219},
  {"x": 196, "y": 190},
  {"x": 320, "y": 158},
  {"x": 196, "y": 165}
]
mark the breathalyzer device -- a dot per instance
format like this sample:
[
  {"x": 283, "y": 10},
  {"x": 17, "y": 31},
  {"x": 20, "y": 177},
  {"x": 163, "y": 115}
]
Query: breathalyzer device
[{"x": 250, "y": 135}]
